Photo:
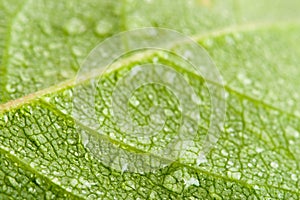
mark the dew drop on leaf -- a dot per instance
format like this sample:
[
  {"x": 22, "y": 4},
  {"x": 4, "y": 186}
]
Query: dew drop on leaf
[
  {"x": 166, "y": 129},
  {"x": 224, "y": 152},
  {"x": 236, "y": 175},
  {"x": 230, "y": 163},
  {"x": 201, "y": 159},
  {"x": 191, "y": 181},
  {"x": 71, "y": 141},
  {"x": 188, "y": 54},
  {"x": 74, "y": 182},
  {"x": 195, "y": 99},
  {"x": 258, "y": 150},
  {"x": 101, "y": 118},
  {"x": 76, "y": 51},
  {"x": 155, "y": 60},
  {"x": 124, "y": 167},
  {"x": 10, "y": 88},
  {"x": 256, "y": 187},
  {"x": 134, "y": 102},
  {"x": 74, "y": 26},
  {"x": 105, "y": 111},
  {"x": 46, "y": 28},
  {"x": 215, "y": 196},
  {"x": 243, "y": 78},
  {"x": 291, "y": 132},
  {"x": 294, "y": 177},
  {"x": 31, "y": 190},
  {"x": 5, "y": 117},
  {"x": 168, "y": 112},
  {"x": 103, "y": 27},
  {"x": 13, "y": 181},
  {"x": 209, "y": 42},
  {"x": 229, "y": 40},
  {"x": 274, "y": 164}
]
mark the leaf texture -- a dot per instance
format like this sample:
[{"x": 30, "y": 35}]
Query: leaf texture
[{"x": 43, "y": 153}]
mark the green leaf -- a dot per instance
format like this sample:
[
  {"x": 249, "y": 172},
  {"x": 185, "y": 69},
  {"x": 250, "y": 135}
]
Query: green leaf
[{"x": 44, "y": 153}]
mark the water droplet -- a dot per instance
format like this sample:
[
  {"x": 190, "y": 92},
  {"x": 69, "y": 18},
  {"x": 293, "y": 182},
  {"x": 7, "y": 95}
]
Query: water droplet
[
  {"x": 74, "y": 182},
  {"x": 201, "y": 159},
  {"x": 134, "y": 102},
  {"x": 55, "y": 180},
  {"x": 195, "y": 99},
  {"x": 168, "y": 112},
  {"x": 92, "y": 196},
  {"x": 291, "y": 142},
  {"x": 256, "y": 187},
  {"x": 274, "y": 164},
  {"x": 230, "y": 163},
  {"x": 46, "y": 28},
  {"x": 13, "y": 181},
  {"x": 238, "y": 36},
  {"x": 235, "y": 175},
  {"x": 152, "y": 33},
  {"x": 131, "y": 184},
  {"x": 74, "y": 26},
  {"x": 155, "y": 60},
  {"x": 10, "y": 88},
  {"x": 134, "y": 71},
  {"x": 124, "y": 167},
  {"x": 23, "y": 18},
  {"x": 209, "y": 42},
  {"x": 191, "y": 181},
  {"x": 170, "y": 183},
  {"x": 290, "y": 102},
  {"x": 170, "y": 76},
  {"x": 290, "y": 131},
  {"x": 68, "y": 93},
  {"x": 101, "y": 118},
  {"x": 54, "y": 46},
  {"x": 71, "y": 141},
  {"x": 105, "y": 111},
  {"x": 103, "y": 27},
  {"x": 294, "y": 177},
  {"x": 5, "y": 118},
  {"x": 188, "y": 54},
  {"x": 19, "y": 56},
  {"x": 156, "y": 118},
  {"x": 64, "y": 73},
  {"x": 259, "y": 150},
  {"x": 31, "y": 190},
  {"x": 166, "y": 129},
  {"x": 244, "y": 79},
  {"x": 77, "y": 51},
  {"x": 20, "y": 87},
  {"x": 224, "y": 152},
  {"x": 229, "y": 40},
  {"x": 26, "y": 44}
]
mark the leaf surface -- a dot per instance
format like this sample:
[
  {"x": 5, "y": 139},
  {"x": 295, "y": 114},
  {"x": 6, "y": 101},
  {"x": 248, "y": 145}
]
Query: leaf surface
[{"x": 43, "y": 153}]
